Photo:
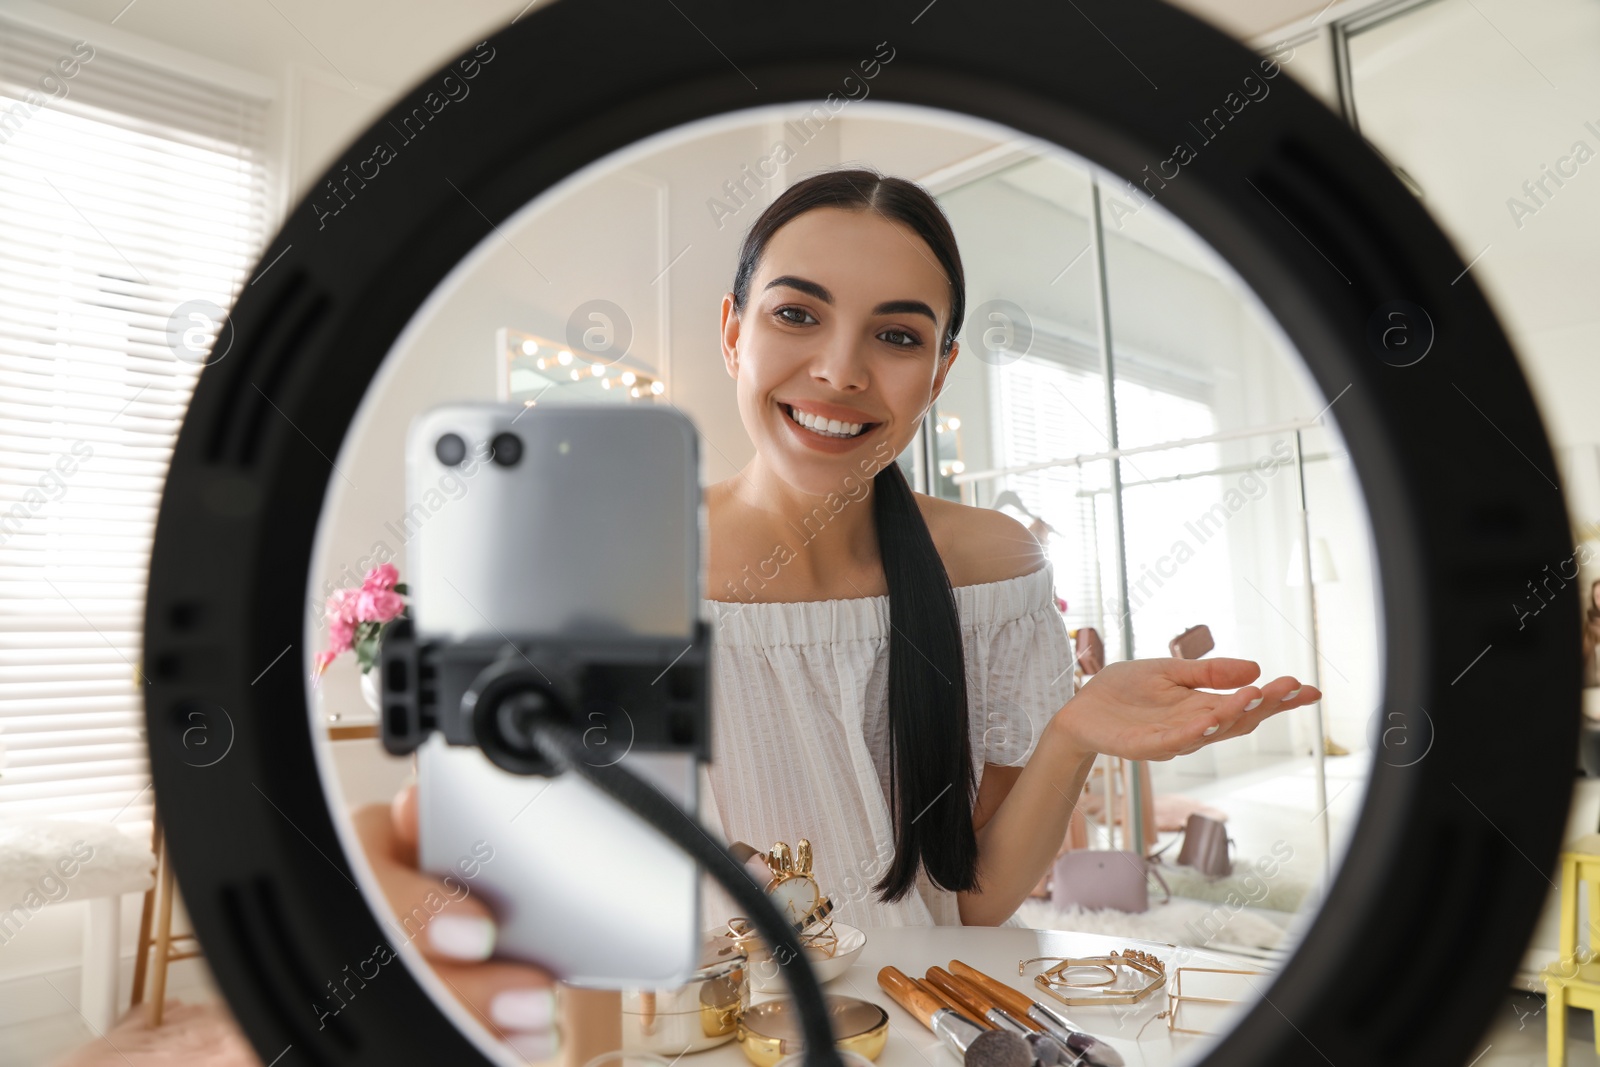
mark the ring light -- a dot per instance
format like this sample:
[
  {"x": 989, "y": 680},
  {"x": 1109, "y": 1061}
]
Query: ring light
[{"x": 1445, "y": 871}]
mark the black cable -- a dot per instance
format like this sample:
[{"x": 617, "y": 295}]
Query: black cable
[{"x": 561, "y": 744}]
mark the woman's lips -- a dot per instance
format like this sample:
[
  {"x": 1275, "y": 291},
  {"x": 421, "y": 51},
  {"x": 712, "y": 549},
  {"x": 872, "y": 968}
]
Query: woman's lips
[{"x": 816, "y": 441}]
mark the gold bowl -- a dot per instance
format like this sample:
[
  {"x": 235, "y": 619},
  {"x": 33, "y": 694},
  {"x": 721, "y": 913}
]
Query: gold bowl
[{"x": 769, "y": 1031}]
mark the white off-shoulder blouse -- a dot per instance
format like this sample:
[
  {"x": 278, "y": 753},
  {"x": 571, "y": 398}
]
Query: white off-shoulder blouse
[{"x": 799, "y": 736}]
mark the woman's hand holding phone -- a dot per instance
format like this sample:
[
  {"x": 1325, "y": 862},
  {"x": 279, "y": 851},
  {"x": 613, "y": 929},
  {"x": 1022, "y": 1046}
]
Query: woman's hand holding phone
[
  {"x": 1154, "y": 709},
  {"x": 455, "y": 932}
]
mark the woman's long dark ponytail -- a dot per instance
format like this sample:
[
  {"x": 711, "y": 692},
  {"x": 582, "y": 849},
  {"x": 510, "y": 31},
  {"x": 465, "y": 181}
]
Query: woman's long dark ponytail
[{"x": 932, "y": 782}]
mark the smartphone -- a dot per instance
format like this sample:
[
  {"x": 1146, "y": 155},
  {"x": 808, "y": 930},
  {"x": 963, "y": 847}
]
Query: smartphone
[{"x": 579, "y": 520}]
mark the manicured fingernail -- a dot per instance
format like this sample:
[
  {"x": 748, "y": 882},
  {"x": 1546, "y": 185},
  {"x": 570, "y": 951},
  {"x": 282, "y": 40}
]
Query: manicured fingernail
[
  {"x": 1291, "y": 694},
  {"x": 1209, "y": 730},
  {"x": 461, "y": 937},
  {"x": 534, "y": 1045},
  {"x": 1253, "y": 704},
  {"x": 523, "y": 1009}
]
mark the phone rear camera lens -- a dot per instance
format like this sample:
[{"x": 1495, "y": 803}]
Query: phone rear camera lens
[
  {"x": 507, "y": 449},
  {"x": 450, "y": 449}
]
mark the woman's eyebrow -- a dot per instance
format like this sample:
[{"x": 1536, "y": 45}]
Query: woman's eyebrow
[{"x": 888, "y": 307}]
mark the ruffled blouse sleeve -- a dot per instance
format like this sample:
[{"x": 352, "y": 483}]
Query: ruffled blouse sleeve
[{"x": 1019, "y": 664}]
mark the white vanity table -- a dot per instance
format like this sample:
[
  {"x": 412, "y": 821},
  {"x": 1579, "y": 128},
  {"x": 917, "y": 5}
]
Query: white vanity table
[{"x": 996, "y": 951}]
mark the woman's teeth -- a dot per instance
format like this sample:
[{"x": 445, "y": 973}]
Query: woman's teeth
[{"x": 825, "y": 427}]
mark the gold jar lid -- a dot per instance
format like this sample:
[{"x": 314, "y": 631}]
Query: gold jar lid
[
  {"x": 720, "y": 981},
  {"x": 769, "y": 1031},
  {"x": 699, "y": 1014},
  {"x": 720, "y": 958}
]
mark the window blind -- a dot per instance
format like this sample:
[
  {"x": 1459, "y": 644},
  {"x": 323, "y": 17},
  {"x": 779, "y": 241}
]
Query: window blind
[
  {"x": 127, "y": 194},
  {"x": 1045, "y": 409}
]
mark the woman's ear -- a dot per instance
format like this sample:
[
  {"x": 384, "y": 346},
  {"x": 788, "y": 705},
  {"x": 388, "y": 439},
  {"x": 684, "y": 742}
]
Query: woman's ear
[
  {"x": 730, "y": 336},
  {"x": 939, "y": 375}
]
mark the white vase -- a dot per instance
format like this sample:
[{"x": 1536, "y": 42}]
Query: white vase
[{"x": 369, "y": 689}]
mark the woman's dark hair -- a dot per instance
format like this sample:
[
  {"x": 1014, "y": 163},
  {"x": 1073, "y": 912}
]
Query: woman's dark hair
[{"x": 932, "y": 782}]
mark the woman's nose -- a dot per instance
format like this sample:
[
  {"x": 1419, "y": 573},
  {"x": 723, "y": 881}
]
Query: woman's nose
[{"x": 841, "y": 364}]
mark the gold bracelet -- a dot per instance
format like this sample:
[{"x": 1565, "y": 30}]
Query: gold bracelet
[{"x": 1142, "y": 963}]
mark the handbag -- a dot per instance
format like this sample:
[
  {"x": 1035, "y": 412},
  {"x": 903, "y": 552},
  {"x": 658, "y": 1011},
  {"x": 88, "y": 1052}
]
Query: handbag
[
  {"x": 1102, "y": 878},
  {"x": 1206, "y": 847},
  {"x": 1192, "y": 643},
  {"x": 1088, "y": 650}
]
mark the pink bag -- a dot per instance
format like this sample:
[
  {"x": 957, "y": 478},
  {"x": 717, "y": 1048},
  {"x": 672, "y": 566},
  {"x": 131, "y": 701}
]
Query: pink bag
[
  {"x": 1205, "y": 847},
  {"x": 1192, "y": 643},
  {"x": 1088, "y": 650},
  {"x": 1101, "y": 878}
]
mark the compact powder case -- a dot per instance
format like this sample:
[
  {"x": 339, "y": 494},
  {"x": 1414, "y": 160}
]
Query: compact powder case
[
  {"x": 769, "y": 1031},
  {"x": 699, "y": 1014}
]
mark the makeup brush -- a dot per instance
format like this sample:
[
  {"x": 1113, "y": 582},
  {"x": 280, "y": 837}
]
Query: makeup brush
[
  {"x": 977, "y": 1047},
  {"x": 1048, "y": 1050},
  {"x": 948, "y": 1001},
  {"x": 1092, "y": 1049},
  {"x": 966, "y": 998}
]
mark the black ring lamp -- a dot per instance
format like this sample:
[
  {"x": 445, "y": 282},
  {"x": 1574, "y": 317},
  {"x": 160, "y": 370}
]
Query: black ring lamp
[{"x": 1444, "y": 875}]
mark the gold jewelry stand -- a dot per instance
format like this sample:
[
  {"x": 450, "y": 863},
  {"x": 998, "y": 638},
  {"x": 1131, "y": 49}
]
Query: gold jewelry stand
[{"x": 1176, "y": 998}]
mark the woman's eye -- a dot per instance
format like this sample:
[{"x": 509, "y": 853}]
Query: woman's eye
[
  {"x": 782, "y": 313},
  {"x": 909, "y": 342}
]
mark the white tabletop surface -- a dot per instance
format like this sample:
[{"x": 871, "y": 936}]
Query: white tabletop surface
[{"x": 996, "y": 951}]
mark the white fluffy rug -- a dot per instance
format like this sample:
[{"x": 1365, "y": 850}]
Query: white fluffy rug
[
  {"x": 44, "y": 861},
  {"x": 1199, "y": 924}
]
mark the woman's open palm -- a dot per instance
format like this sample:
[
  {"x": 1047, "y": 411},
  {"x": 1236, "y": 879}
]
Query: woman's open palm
[{"x": 1155, "y": 709}]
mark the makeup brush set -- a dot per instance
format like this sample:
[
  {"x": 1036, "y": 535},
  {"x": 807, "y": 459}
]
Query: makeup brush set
[{"x": 986, "y": 1023}]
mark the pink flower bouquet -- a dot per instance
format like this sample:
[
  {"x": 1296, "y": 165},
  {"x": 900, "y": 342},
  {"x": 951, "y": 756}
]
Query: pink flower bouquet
[{"x": 356, "y": 617}]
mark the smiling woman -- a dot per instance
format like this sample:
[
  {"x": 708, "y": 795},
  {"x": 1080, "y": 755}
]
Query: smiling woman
[{"x": 889, "y": 667}]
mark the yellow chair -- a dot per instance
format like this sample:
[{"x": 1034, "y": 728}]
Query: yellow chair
[{"x": 1574, "y": 979}]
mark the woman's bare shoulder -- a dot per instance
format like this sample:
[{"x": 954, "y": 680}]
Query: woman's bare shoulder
[{"x": 979, "y": 545}]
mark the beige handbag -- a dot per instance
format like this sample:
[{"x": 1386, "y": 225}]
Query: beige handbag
[
  {"x": 1206, "y": 847},
  {"x": 1192, "y": 643},
  {"x": 1088, "y": 650},
  {"x": 1092, "y": 878}
]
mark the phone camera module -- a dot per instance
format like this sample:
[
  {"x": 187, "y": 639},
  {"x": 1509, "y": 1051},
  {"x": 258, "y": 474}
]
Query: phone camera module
[
  {"x": 450, "y": 449},
  {"x": 507, "y": 449}
]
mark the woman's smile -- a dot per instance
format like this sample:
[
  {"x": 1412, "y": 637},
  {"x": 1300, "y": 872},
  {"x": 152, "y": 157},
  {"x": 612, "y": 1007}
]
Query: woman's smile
[{"x": 812, "y": 425}]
